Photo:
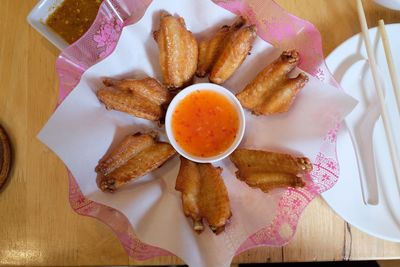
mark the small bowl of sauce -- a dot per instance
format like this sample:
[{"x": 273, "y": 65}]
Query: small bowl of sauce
[
  {"x": 63, "y": 22},
  {"x": 205, "y": 122},
  {"x": 72, "y": 18}
]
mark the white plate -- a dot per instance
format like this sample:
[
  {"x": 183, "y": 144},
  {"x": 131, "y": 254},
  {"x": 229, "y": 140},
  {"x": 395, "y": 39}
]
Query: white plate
[
  {"x": 348, "y": 64},
  {"x": 392, "y": 4}
]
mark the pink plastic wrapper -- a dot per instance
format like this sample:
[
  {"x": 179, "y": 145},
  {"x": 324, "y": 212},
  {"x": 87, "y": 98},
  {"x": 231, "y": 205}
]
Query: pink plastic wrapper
[{"x": 276, "y": 26}]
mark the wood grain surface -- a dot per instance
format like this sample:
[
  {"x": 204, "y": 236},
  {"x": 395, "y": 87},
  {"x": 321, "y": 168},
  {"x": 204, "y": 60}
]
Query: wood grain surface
[{"x": 37, "y": 224}]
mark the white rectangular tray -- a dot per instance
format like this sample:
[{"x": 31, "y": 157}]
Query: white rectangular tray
[{"x": 37, "y": 18}]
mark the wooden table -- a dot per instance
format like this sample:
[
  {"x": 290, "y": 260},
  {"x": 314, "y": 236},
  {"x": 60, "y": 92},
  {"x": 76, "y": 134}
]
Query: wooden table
[{"x": 37, "y": 224}]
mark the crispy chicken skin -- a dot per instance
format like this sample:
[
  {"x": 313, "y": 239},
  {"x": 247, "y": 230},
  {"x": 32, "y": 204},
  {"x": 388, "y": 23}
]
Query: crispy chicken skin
[
  {"x": 210, "y": 49},
  {"x": 178, "y": 51},
  {"x": 272, "y": 91},
  {"x": 147, "y": 87},
  {"x": 188, "y": 183},
  {"x": 204, "y": 195},
  {"x": 266, "y": 181},
  {"x": 233, "y": 54},
  {"x": 130, "y": 146},
  {"x": 136, "y": 156},
  {"x": 270, "y": 170},
  {"x": 214, "y": 200},
  {"x": 144, "y": 162},
  {"x": 143, "y": 98}
]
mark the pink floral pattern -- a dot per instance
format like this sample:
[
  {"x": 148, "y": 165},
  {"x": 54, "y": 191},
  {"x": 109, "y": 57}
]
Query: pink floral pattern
[
  {"x": 325, "y": 173},
  {"x": 107, "y": 36},
  {"x": 275, "y": 26},
  {"x": 332, "y": 135},
  {"x": 120, "y": 225}
]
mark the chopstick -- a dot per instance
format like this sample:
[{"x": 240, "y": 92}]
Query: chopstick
[
  {"x": 379, "y": 91},
  {"x": 389, "y": 60}
]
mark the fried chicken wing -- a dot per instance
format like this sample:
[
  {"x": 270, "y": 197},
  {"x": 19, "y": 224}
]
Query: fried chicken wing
[
  {"x": 133, "y": 104},
  {"x": 141, "y": 98},
  {"x": 130, "y": 146},
  {"x": 188, "y": 183},
  {"x": 178, "y": 51},
  {"x": 269, "y": 170},
  {"x": 147, "y": 87},
  {"x": 204, "y": 195},
  {"x": 141, "y": 157},
  {"x": 214, "y": 200},
  {"x": 266, "y": 181},
  {"x": 233, "y": 54},
  {"x": 211, "y": 48},
  {"x": 264, "y": 161},
  {"x": 272, "y": 91}
]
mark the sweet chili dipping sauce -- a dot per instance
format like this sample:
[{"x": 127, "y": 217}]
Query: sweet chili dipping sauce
[
  {"x": 205, "y": 123},
  {"x": 73, "y": 18}
]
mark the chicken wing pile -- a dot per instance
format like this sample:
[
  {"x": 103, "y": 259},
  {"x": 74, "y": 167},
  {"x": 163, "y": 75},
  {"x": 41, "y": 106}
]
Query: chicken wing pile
[
  {"x": 204, "y": 195},
  {"x": 269, "y": 170},
  {"x": 203, "y": 192},
  {"x": 272, "y": 91},
  {"x": 134, "y": 157},
  {"x": 143, "y": 98}
]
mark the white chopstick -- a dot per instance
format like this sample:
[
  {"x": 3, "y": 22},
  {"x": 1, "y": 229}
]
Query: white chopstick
[
  {"x": 379, "y": 91},
  {"x": 389, "y": 60}
]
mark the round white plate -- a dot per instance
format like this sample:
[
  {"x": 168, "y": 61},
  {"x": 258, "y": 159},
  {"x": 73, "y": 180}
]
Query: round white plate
[
  {"x": 392, "y": 4},
  {"x": 350, "y": 68}
]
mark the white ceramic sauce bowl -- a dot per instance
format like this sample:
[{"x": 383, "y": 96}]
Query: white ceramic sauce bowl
[{"x": 205, "y": 87}]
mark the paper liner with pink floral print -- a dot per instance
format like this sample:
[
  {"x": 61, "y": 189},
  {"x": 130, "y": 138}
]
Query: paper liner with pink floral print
[{"x": 276, "y": 26}]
